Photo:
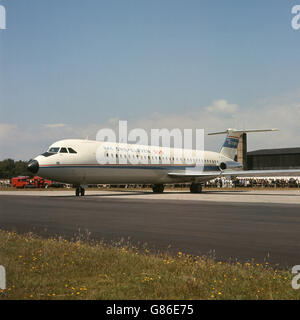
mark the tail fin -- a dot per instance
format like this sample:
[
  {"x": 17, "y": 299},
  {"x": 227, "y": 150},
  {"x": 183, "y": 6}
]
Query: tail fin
[{"x": 232, "y": 140}]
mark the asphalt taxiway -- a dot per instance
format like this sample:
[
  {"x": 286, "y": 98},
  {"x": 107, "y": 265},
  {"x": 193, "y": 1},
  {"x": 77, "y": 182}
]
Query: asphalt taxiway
[{"x": 262, "y": 225}]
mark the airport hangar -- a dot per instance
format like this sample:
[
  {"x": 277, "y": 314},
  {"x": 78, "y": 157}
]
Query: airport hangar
[{"x": 267, "y": 159}]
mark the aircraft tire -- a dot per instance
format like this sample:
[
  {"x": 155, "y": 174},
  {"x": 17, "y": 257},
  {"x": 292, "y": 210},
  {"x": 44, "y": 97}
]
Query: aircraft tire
[
  {"x": 196, "y": 188},
  {"x": 158, "y": 188},
  {"x": 82, "y": 192}
]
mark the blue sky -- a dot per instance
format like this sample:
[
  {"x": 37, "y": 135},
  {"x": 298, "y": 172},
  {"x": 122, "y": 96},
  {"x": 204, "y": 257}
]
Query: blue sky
[{"x": 79, "y": 64}]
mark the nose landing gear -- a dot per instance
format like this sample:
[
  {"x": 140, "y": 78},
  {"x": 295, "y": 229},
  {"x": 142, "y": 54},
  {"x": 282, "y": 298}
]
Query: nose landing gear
[{"x": 79, "y": 191}]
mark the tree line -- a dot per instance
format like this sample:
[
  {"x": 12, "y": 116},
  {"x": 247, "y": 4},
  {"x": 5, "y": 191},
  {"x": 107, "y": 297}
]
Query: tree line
[{"x": 10, "y": 168}]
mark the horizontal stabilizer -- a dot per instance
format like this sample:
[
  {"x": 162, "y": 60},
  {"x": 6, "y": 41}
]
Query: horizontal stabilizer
[
  {"x": 241, "y": 131},
  {"x": 231, "y": 142}
]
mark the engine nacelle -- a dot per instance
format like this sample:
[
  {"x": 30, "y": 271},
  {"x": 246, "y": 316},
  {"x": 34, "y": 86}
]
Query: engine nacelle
[{"x": 233, "y": 165}]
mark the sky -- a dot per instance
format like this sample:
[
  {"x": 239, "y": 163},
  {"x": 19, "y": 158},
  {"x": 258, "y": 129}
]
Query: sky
[{"x": 69, "y": 68}]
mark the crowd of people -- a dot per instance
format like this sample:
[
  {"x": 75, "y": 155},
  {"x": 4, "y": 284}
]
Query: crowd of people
[
  {"x": 5, "y": 183},
  {"x": 266, "y": 182}
]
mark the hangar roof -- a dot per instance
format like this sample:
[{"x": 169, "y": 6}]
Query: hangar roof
[{"x": 281, "y": 151}]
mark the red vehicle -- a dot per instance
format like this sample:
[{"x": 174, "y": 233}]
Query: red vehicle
[
  {"x": 27, "y": 182},
  {"x": 19, "y": 182}
]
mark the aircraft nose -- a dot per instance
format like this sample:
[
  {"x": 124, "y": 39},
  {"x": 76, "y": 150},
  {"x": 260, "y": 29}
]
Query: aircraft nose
[{"x": 33, "y": 166}]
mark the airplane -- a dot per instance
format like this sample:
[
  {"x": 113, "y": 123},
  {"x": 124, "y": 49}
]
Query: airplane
[{"x": 76, "y": 162}]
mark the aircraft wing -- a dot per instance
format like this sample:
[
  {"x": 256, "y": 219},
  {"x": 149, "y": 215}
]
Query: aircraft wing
[{"x": 237, "y": 173}]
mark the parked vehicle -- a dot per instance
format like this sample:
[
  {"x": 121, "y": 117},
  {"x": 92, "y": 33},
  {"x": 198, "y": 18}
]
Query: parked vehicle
[{"x": 27, "y": 182}]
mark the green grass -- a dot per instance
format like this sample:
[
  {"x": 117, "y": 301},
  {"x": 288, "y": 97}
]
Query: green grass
[{"x": 58, "y": 269}]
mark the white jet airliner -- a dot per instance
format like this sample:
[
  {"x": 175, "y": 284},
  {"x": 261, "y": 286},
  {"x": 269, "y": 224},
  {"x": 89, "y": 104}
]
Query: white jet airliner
[{"x": 77, "y": 162}]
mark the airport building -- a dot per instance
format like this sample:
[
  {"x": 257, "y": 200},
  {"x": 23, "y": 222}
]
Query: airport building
[
  {"x": 272, "y": 159},
  {"x": 267, "y": 159}
]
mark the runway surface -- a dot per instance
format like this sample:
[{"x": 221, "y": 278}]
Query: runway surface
[
  {"x": 236, "y": 230},
  {"x": 255, "y": 196}
]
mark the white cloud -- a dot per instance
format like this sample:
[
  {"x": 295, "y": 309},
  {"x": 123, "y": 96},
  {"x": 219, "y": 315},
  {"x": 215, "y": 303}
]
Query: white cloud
[
  {"x": 221, "y": 106},
  {"x": 54, "y": 125},
  {"x": 5, "y": 129},
  {"x": 282, "y": 112},
  {"x": 25, "y": 142}
]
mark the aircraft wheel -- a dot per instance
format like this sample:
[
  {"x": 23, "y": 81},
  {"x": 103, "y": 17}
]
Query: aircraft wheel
[
  {"x": 196, "y": 188},
  {"x": 82, "y": 191},
  {"x": 158, "y": 188}
]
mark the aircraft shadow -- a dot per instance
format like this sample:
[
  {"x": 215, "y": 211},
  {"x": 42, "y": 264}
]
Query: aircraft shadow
[{"x": 149, "y": 193}]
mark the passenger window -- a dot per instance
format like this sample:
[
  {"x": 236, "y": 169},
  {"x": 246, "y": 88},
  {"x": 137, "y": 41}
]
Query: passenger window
[
  {"x": 63, "y": 150},
  {"x": 71, "y": 150}
]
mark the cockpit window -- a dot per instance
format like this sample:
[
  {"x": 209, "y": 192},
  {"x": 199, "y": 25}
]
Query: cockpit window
[
  {"x": 71, "y": 150},
  {"x": 53, "y": 150},
  {"x": 63, "y": 150}
]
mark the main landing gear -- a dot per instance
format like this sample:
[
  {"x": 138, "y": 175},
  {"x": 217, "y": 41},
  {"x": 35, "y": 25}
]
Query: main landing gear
[
  {"x": 158, "y": 188},
  {"x": 196, "y": 188},
  {"x": 79, "y": 191}
]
